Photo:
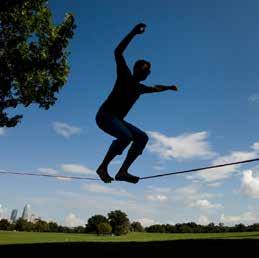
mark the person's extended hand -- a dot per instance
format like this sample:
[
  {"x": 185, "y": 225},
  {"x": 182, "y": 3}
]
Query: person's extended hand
[
  {"x": 174, "y": 87},
  {"x": 139, "y": 28}
]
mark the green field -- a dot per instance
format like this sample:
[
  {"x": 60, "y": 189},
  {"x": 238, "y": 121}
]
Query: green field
[{"x": 32, "y": 237}]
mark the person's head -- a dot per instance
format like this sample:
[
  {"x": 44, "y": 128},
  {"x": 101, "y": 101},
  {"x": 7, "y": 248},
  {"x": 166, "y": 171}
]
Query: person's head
[{"x": 141, "y": 70}]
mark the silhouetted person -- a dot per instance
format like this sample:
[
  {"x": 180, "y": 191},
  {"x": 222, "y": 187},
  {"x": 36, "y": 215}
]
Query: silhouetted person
[{"x": 110, "y": 117}]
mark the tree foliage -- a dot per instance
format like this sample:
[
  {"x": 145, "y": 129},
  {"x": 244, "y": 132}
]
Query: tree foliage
[
  {"x": 136, "y": 227},
  {"x": 4, "y": 224},
  {"x": 119, "y": 222},
  {"x": 104, "y": 228},
  {"x": 33, "y": 56},
  {"x": 94, "y": 221}
]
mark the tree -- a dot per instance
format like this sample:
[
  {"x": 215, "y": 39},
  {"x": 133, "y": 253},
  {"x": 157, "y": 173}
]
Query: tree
[
  {"x": 156, "y": 229},
  {"x": 53, "y": 226},
  {"x": 7, "y": 4},
  {"x": 136, "y": 227},
  {"x": 79, "y": 229},
  {"x": 104, "y": 228},
  {"x": 23, "y": 225},
  {"x": 254, "y": 227},
  {"x": 184, "y": 228},
  {"x": 240, "y": 227},
  {"x": 33, "y": 56},
  {"x": 41, "y": 226},
  {"x": 94, "y": 221},
  {"x": 119, "y": 222},
  {"x": 4, "y": 224},
  {"x": 122, "y": 229}
]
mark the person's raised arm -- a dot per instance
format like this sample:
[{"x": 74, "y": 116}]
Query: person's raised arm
[{"x": 138, "y": 29}]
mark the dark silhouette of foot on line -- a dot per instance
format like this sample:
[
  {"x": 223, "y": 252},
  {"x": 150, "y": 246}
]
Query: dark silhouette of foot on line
[
  {"x": 104, "y": 176},
  {"x": 127, "y": 177}
]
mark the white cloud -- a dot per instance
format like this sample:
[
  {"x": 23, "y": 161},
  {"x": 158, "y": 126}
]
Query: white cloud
[
  {"x": 67, "y": 194},
  {"x": 254, "y": 98},
  {"x": 255, "y": 147},
  {"x": 157, "y": 197},
  {"x": 159, "y": 189},
  {"x": 97, "y": 188},
  {"x": 205, "y": 204},
  {"x": 189, "y": 192},
  {"x": 191, "y": 196},
  {"x": 216, "y": 174},
  {"x": 65, "y": 179},
  {"x": 246, "y": 218},
  {"x": 1, "y": 211},
  {"x": 49, "y": 171},
  {"x": 250, "y": 184},
  {"x": 146, "y": 222},
  {"x": 77, "y": 168},
  {"x": 203, "y": 220},
  {"x": 53, "y": 172},
  {"x": 158, "y": 194},
  {"x": 184, "y": 146},
  {"x": 159, "y": 167},
  {"x": 65, "y": 130},
  {"x": 72, "y": 220},
  {"x": 2, "y": 131},
  {"x": 215, "y": 184}
]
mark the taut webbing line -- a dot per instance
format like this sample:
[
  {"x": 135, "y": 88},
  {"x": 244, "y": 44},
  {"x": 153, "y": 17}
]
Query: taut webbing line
[
  {"x": 142, "y": 178},
  {"x": 47, "y": 175},
  {"x": 203, "y": 168}
]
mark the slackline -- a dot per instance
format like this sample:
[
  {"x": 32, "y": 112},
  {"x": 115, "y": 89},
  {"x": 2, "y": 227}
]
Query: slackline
[{"x": 142, "y": 178}]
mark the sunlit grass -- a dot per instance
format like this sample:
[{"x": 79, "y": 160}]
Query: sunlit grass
[{"x": 7, "y": 237}]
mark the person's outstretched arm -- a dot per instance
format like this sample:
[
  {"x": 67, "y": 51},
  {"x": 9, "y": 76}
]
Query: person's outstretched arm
[{"x": 158, "y": 88}]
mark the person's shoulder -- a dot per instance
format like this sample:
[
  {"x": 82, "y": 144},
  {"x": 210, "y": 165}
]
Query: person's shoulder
[
  {"x": 140, "y": 87},
  {"x": 126, "y": 75}
]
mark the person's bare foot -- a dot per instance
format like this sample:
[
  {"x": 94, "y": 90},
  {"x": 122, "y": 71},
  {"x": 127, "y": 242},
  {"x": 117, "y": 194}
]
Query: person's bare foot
[
  {"x": 103, "y": 174},
  {"x": 127, "y": 177}
]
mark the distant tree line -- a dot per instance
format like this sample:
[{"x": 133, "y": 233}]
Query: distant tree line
[
  {"x": 117, "y": 223},
  {"x": 192, "y": 227}
]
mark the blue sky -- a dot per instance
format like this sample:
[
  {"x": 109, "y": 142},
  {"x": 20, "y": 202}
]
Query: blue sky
[{"x": 211, "y": 51}]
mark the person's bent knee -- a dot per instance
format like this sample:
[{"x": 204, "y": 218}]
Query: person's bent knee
[
  {"x": 140, "y": 143},
  {"x": 119, "y": 145},
  {"x": 145, "y": 138}
]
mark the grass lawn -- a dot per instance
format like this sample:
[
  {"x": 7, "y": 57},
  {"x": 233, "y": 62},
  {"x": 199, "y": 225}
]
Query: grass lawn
[{"x": 32, "y": 237}]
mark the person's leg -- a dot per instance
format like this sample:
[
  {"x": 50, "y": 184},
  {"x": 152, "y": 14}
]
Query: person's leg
[
  {"x": 115, "y": 149},
  {"x": 140, "y": 140},
  {"x": 116, "y": 128}
]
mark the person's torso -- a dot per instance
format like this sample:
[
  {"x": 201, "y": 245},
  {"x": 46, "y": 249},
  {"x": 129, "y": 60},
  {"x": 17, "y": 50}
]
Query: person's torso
[{"x": 123, "y": 96}]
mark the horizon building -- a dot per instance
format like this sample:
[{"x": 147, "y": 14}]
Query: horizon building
[
  {"x": 13, "y": 217},
  {"x": 25, "y": 213}
]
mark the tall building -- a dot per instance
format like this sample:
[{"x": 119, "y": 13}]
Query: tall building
[
  {"x": 14, "y": 215},
  {"x": 25, "y": 213}
]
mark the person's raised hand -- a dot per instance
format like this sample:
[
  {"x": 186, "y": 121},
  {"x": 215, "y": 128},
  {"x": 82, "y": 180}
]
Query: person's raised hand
[{"x": 139, "y": 28}]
